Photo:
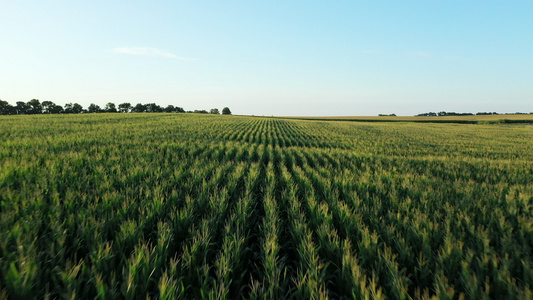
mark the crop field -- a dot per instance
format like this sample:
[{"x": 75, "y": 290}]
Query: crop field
[
  {"x": 473, "y": 119},
  {"x": 169, "y": 206}
]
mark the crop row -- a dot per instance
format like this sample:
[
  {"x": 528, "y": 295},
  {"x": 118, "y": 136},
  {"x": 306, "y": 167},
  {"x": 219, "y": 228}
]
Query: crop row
[{"x": 181, "y": 206}]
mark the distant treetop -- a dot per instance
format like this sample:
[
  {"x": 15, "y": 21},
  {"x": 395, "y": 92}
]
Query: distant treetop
[
  {"x": 226, "y": 111},
  {"x": 34, "y": 106},
  {"x": 443, "y": 113}
]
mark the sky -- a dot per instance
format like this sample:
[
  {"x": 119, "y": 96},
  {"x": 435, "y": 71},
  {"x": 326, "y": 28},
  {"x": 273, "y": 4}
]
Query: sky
[{"x": 281, "y": 58}]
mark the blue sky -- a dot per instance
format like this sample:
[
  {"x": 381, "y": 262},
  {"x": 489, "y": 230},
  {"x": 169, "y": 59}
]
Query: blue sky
[{"x": 272, "y": 57}]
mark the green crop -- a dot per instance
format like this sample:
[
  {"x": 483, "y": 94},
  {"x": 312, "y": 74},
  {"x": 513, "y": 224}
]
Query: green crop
[{"x": 183, "y": 206}]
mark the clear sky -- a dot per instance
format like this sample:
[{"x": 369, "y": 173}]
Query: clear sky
[{"x": 272, "y": 57}]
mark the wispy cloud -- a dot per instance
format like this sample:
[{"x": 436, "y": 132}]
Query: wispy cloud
[{"x": 146, "y": 51}]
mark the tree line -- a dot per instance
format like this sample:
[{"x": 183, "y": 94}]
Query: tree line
[
  {"x": 444, "y": 113},
  {"x": 35, "y": 106}
]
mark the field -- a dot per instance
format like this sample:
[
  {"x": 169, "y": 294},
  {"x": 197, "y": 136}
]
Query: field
[
  {"x": 474, "y": 119},
  {"x": 123, "y": 206}
]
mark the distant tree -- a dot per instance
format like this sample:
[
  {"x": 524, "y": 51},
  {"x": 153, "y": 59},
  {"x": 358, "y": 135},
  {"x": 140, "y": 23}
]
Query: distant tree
[
  {"x": 34, "y": 107},
  {"x": 226, "y": 111},
  {"x": 152, "y": 107},
  {"x": 93, "y": 108},
  {"x": 444, "y": 113},
  {"x": 46, "y": 106},
  {"x": 68, "y": 108},
  {"x": 77, "y": 108},
  {"x": 6, "y": 108},
  {"x": 139, "y": 108},
  {"x": 56, "y": 109},
  {"x": 110, "y": 107},
  {"x": 73, "y": 108},
  {"x": 124, "y": 107},
  {"x": 170, "y": 108},
  {"x": 21, "y": 108},
  {"x": 214, "y": 111},
  {"x": 202, "y": 111}
]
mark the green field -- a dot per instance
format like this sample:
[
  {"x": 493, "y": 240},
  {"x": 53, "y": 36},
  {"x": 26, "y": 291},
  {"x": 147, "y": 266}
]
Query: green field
[
  {"x": 473, "y": 119},
  {"x": 122, "y": 206}
]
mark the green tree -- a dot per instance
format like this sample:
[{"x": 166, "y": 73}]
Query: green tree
[
  {"x": 124, "y": 107},
  {"x": 93, "y": 108},
  {"x": 73, "y": 108},
  {"x": 34, "y": 107},
  {"x": 170, "y": 108},
  {"x": 46, "y": 106},
  {"x": 152, "y": 107},
  {"x": 139, "y": 108},
  {"x": 226, "y": 111},
  {"x": 21, "y": 108},
  {"x": 77, "y": 108},
  {"x": 6, "y": 108},
  {"x": 214, "y": 111},
  {"x": 110, "y": 107},
  {"x": 68, "y": 108},
  {"x": 56, "y": 109}
]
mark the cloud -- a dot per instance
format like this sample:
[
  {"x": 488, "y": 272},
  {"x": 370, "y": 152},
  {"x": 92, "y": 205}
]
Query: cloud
[{"x": 146, "y": 51}]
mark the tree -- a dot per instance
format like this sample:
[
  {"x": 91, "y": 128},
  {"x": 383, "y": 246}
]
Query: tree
[
  {"x": 139, "y": 108},
  {"x": 68, "y": 108},
  {"x": 179, "y": 109},
  {"x": 152, "y": 107},
  {"x": 77, "y": 108},
  {"x": 21, "y": 108},
  {"x": 56, "y": 109},
  {"x": 34, "y": 107},
  {"x": 46, "y": 106},
  {"x": 93, "y": 108},
  {"x": 6, "y": 108},
  {"x": 124, "y": 107},
  {"x": 73, "y": 108},
  {"x": 226, "y": 111},
  {"x": 170, "y": 108},
  {"x": 110, "y": 107},
  {"x": 214, "y": 111}
]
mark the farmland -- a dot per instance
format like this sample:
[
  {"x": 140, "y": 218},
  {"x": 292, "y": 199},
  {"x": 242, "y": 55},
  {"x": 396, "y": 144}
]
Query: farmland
[
  {"x": 115, "y": 206},
  {"x": 466, "y": 119}
]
